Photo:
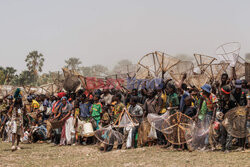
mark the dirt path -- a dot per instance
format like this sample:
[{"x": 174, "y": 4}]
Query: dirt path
[{"x": 48, "y": 155}]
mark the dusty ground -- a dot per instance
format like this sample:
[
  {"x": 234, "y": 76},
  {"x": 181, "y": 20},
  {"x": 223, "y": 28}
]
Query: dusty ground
[{"x": 49, "y": 155}]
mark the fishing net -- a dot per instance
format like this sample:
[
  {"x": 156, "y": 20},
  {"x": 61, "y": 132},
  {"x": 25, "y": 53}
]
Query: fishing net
[
  {"x": 196, "y": 134},
  {"x": 235, "y": 122},
  {"x": 197, "y": 80},
  {"x": 160, "y": 122},
  {"x": 240, "y": 68},
  {"x": 157, "y": 64},
  {"x": 125, "y": 120},
  {"x": 179, "y": 125},
  {"x": 203, "y": 61},
  {"x": 214, "y": 71},
  {"x": 144, "y": 73},
  {"x": 173, "y": 127},
  {"x": 109, "y": 136},
  {"x": 229, "y": 52},
  {"x": 183, "y": 67}
]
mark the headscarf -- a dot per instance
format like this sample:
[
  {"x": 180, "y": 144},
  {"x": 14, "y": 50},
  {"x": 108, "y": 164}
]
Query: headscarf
[
  {"x": 61, "y": 94},
  {"x": 63, "y": 98},
  {"x": 17, "y": 93},
  {"x": 226, "y": 89}
]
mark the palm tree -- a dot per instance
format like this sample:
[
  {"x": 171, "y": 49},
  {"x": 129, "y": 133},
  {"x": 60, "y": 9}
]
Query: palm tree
[
  {"x": 34, "y": 62},
  {"x": 73, "y": 63}
]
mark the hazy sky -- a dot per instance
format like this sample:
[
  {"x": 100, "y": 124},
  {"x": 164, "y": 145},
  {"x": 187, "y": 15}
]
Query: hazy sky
[{"x": 106, "y": 31}]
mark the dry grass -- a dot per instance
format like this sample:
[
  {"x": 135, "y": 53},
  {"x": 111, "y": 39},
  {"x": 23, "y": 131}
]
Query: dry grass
[{"x": 48, "y": 155}]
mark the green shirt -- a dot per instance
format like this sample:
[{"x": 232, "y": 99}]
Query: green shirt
[
  {"x": 203, "y": 110},
  {"x": 96, "y": 110},
  {"x": 173, "y": 100}
]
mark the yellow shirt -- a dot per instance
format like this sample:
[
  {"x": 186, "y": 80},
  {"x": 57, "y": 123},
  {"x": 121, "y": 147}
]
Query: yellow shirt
[
  {"x": 164, "y": 98},
  {"x": 35, "y": 104}
]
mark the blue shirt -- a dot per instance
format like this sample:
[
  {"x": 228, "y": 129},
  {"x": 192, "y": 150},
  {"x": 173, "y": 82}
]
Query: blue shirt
[
  {"x": 84, "y": 109},
  {"x": 47, "y": 103},
  {"x": 182, "y": 103}
]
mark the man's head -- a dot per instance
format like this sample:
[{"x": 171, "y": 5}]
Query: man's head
[
  {"x": 133, "y": 101},
  {"x": 238, "y": 86},
  {"x": 184, "y": 86},
  {"x": 224, "y": 78},
  {"x": 244, "y": 84},
  {"x": 134, "y": 92},
  {"x": 206, "y": 89},
  {"x": 113, "y": 91},
  {"x": 96, "y": 98},
  {"x": 42, "y": 97},
  {"x": 52, "y": 98},
  {"x": 225, "y": 91},
  {"x": 188, "y": 101},
  {"x": 151, "y": 93},
  {"x": 72, "y": 96},
  {"x": 83, "y": 98},
  {"x": 105, "y": 91},
  {"x": 118, "y": 97},
  {"x": 29, "y": 99},
  {"x": 64, "y": 100},
  {"x": 171, "y": 88}
]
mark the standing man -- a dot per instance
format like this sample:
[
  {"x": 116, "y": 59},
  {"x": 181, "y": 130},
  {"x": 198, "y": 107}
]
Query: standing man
[
  {"x": 238, "y": 94},
  {"x": 207, "y": 109},
  {"x": 106, "y": 97},
  {"x": 226, "y": 104},
  {"x": 96, "y": 110},
  {"x": 16, "y": 122},
  {"x": 136, "y": 113}
]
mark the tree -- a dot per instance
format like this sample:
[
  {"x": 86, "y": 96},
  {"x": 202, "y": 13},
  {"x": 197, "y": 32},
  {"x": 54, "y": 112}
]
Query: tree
[
  {"x": 9, "y": 74},
  {"x": 6, "y": 75},
  {"x": 2, "y": 76},
  {"x": 34, "y": 63},
  {"x": 73, "y": 63},
  {"x": 99, "y": 70},
  {"x": 86, "y": 71},
  {"x": 122, "y": 66},
  {"x": 44, "y": 79},
  {"x": 24, "y": 78}
]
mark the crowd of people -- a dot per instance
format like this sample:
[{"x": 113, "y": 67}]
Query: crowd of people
[{"x": 56, "y": 119}]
